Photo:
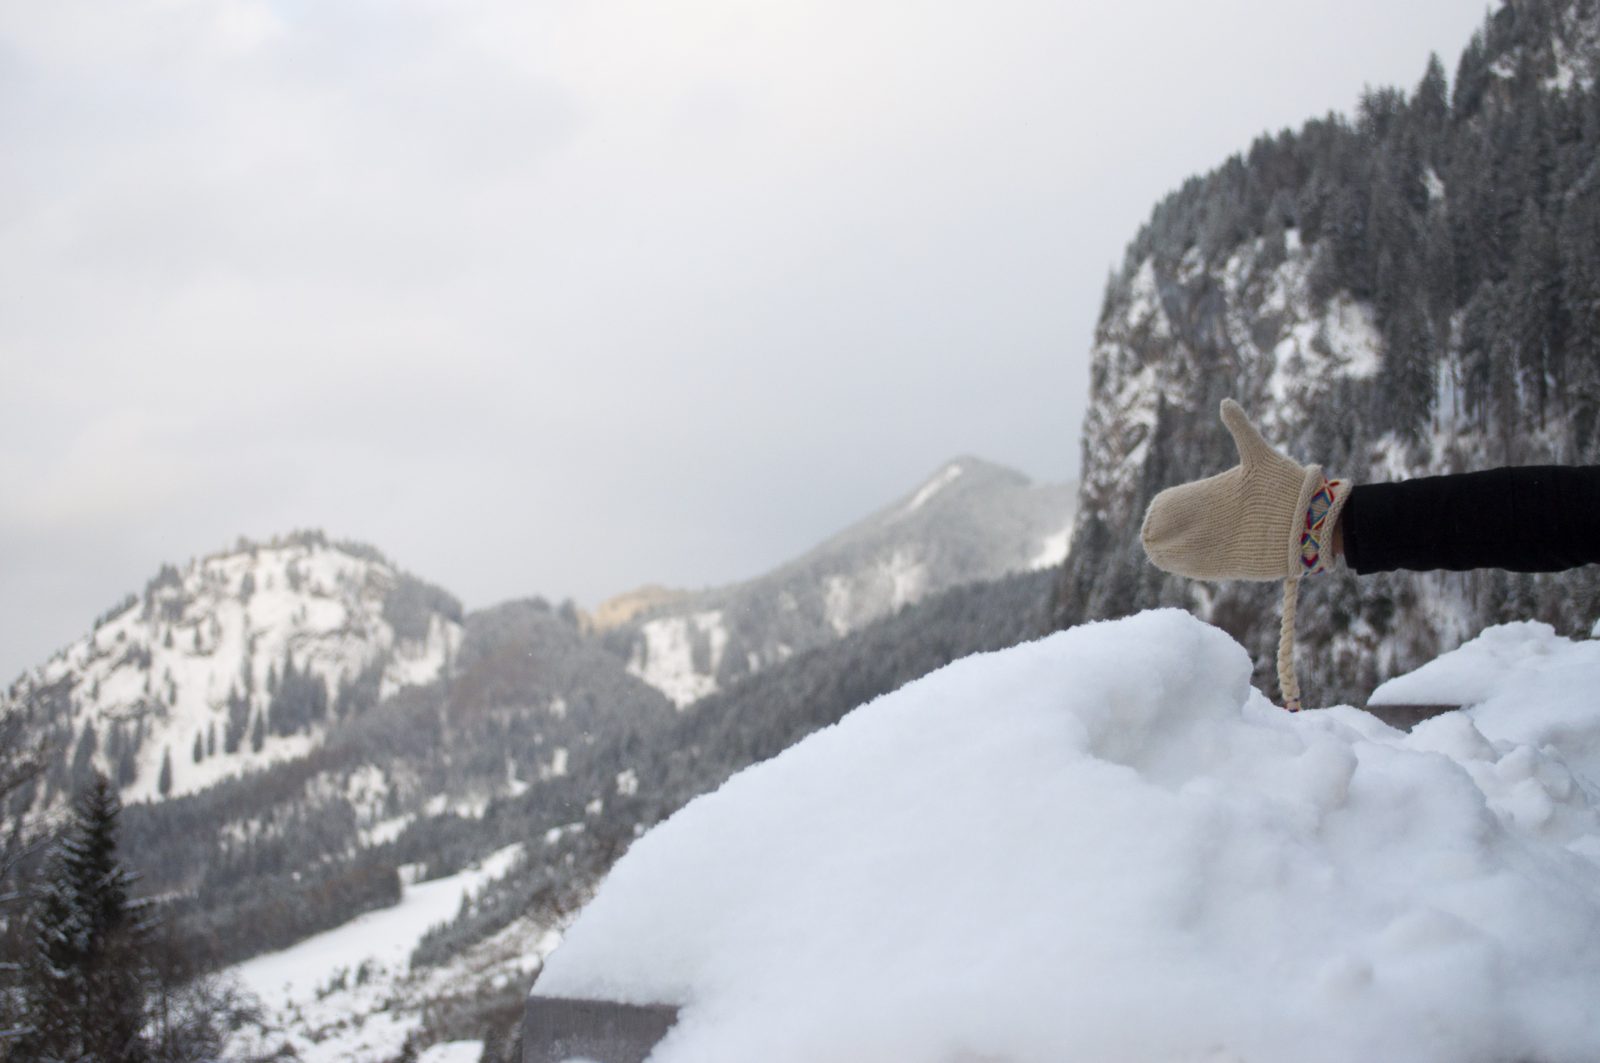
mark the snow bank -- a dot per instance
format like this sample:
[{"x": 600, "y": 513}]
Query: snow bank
[
  {"x": 1106, "y": 846},
  {"x": 1522, "y": 683}
]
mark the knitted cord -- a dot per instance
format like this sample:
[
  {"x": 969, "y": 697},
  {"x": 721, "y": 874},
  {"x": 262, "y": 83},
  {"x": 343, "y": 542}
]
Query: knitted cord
[{"x": 1287, "y": 683}]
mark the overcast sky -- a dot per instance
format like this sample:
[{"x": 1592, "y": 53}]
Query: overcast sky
[{"x": 563, "y": 296}]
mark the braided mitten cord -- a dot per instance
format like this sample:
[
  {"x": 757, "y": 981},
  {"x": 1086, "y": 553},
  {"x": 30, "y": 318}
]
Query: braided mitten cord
[
  {"x": 1316, "y": 555},
  {"x": 1288, "y": 683}
]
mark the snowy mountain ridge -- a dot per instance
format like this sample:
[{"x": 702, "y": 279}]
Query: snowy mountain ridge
[
  {"x": 235, "y": 662},
  {"x": 970, "y": 520},
  {"x": 246, "y": 659}
]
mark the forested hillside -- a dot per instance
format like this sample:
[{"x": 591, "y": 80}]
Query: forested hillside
[{"x": 1413, "y": 290}]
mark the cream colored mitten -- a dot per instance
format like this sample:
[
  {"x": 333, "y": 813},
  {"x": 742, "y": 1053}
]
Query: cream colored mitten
[{"x": 1268, "y": 517}]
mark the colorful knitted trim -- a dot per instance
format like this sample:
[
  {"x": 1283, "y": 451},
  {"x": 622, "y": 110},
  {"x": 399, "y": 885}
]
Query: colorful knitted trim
[{"x": 1314, "y": 555}]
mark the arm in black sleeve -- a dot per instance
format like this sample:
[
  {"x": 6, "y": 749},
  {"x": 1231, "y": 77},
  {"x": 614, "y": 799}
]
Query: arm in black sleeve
[{"x": 1538, "y": 518}]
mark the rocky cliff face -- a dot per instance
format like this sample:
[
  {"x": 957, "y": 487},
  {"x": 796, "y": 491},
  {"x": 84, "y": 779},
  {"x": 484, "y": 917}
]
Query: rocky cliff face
[{"x": 1413, "y": 291}]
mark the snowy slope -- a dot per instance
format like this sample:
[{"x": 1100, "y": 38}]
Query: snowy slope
[
  {"x": 969, "y": 521},
  {"x": 1106, "y": 846},
  {"x": 349, "y": 996},
  {"x": 190, "y": 666}
]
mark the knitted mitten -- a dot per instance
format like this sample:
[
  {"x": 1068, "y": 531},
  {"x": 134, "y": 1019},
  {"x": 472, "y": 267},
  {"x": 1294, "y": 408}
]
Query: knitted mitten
[{"x": 1268, "y": 517}]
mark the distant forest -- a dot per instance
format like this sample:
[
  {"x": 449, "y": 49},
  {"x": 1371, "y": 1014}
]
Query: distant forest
[{"x": 1467, "y": 216}]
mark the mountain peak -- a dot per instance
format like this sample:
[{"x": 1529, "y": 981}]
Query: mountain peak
[
  {"x": 970, "y": 472},
  {"x": 234, "y": 661},
  {"x": 970, "y": 520}
]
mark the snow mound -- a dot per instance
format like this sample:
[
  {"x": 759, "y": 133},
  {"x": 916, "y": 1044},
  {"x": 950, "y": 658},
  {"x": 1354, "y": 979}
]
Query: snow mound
[
  {"x": 1105, "y": 845},
  {"x": 1522, "y": 683}
]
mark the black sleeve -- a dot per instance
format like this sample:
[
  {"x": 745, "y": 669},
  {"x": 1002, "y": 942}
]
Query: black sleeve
[{"x": 1538, "y": 518}]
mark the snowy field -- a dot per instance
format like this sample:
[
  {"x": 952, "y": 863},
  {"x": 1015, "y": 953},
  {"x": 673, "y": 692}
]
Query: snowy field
[
  {"x": 348, "y": 996},
  {"x": 1106, "y": 846}
]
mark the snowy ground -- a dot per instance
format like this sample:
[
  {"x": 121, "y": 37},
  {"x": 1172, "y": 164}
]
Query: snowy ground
[
  {"x": 1105, "y": 846},
  {"x": 347, "y": 996}
]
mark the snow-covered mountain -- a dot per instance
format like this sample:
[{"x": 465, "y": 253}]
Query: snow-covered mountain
[
  {"x": 971, "y": 520},
  {"x": 234, "y": 662},
  {"x": 1407, "y": 292}
]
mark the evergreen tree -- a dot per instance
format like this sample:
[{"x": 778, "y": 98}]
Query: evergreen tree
[
  {"x": 84, "y": 991},
  {"x": 1472, "y": 79},
  {"x": 1431, "y": 104},
  {"x": 127, "y": 767},
  {"x": 164, "y": 781},
  {"x": 83, "y": 758},
  {"x": 299, "y": 700},
  {"x": 1536, "y": 322},
  {"x": 238, "y": 722}
]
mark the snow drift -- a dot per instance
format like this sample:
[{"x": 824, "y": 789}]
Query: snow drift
[{"x": 1105, "y": 845}]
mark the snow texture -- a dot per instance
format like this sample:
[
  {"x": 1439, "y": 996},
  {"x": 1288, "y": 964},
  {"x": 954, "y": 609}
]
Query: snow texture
[
  {"x": 940, "y": 481},
  {"x": 453, "y": 1052},
  {"x": 1054, "y": 550},
  {"x": 1046, "y": 853},
  {"x": 666, "y": 659}
]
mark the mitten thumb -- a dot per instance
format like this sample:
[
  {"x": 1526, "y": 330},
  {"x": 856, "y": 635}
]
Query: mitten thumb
[{"x": 1246, "y": 439}]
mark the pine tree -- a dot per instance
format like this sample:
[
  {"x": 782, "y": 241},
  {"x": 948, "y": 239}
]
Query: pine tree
[
  {"x": 127, "y": 767},
  {"x": 164, "y": 781},
  {"x": 1431, "y": 103},
  {"x": 1535, "y": 324},
  {"x": 238, "y": 723},
  {"x": 84, "y": 993},
  {"x": 83, "y": 757},
  {"x": 1472, "y": 79}
]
